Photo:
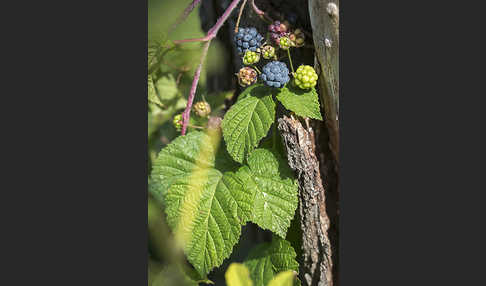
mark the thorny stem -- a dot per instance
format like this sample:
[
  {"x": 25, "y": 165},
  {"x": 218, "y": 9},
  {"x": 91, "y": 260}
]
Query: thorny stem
[
  {"x": 184, "y": 15},
  {"x": 239, "y": 16},
  {"x": 290, "y": 60},
  {"x": 197, "y": 74},
  {"x": 210, "y": 35}
]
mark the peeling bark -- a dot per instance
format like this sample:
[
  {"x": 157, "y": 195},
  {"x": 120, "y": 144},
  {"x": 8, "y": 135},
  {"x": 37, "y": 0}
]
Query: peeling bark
[{"x": 316, "y": 268}]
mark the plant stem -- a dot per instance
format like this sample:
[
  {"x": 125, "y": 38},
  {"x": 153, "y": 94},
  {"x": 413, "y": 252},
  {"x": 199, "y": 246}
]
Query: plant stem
[
  {"x": 210, "y": 35},
  {"x": 290, "y": 60},
  {"x": 187, "y": 112},
  {"x": 196, "y": 127},
  {"x": 260, "y": 12},
  {"x": 239, "y": 16}
]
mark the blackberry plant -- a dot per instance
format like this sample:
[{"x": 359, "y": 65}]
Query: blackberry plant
[{"x": 229, "y": 167}]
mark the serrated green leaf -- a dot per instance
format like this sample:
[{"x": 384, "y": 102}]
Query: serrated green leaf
[
  {"x": 152, "y": 94},
  {"x": 166, "y": 87},
  {"x": 267, "y": 259},
  {"x": 238, "y": 275},
  {"x": 154, "y": 50},
  {"x": 303, "y": 103},
  {"x": 248, "y": 121},
  {"x": 285, "y": 278},
  {"x": 204, "y": 203},
  {"x": 268, "y": 177},
  {"x": 203, "y": 214}
]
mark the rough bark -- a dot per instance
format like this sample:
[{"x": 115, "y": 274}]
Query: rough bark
[
  {"x": 316, "y": 247},
  {"x": 324, "y": 18},
  {"x": 324, "y": 15}
]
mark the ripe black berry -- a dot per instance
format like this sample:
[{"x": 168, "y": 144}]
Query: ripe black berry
[
  {"x": 248, "y": 39},
  {"x": 275, "y": 74}
]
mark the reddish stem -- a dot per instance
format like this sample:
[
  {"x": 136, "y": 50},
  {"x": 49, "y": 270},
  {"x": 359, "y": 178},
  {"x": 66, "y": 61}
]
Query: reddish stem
[
  {"x": 187, "y": 112},
  {"x": 203, "y": 39},
  {"x": 210, "y": 35},
  {"x": 255, "y": 8},
  {"x": 260, "y": 12}
]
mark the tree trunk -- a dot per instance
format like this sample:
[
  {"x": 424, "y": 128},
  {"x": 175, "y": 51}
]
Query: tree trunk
[{"x": 301, "y": 153}]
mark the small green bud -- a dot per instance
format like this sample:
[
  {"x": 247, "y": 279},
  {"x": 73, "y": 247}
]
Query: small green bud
[
  {"x": 202, "y": 108},
  {"x": 268, "y": 52},
  {"x": 285, "y": 43},
  {"x": 251, "y": 57},
  {"x": 177, "y": 122}
]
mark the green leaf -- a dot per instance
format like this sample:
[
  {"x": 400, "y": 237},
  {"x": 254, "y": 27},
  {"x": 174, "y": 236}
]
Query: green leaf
[
  {"x": 267, "y": 259},
  {"x": 303, "y": 103},
  {"x": 154, "y": 51},
  {"x": 170, "y": 275},
  {"x": 205, "y": 205},
  {"x": 166, "y": 87},
  {"x": 248, "y": 121},
  {"x": 285, "y": 278},
  {"x": 152, "y": 94},
  {"x": 269, "y": 179},
  {"x": 238, "y": 275}
]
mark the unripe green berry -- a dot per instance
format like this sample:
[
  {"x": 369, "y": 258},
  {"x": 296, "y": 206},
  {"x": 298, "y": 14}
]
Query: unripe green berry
[
  {"x": 268, "y": 52},
  {"x": 202, "y": 108},
  {"x": 177, "y": 122},
  {"x": 285, "y": 43},
  {"x": 251, "y": 57},
  {"x": 305, "y": 77}
]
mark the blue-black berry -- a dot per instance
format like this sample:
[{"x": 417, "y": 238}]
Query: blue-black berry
[
  {"x": 275, "y": 74},
  {"x": 248, "y": 39}
]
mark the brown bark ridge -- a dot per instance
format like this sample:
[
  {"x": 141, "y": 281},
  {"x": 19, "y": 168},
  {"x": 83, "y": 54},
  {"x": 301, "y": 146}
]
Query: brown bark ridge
[{"x": 316, "y": 268}]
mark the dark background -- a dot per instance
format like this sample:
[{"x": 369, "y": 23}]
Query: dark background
[{"x": 411, "y": 143}]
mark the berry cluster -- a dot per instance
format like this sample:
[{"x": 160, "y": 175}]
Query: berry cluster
[
  {"x": 268, "y": 52},
  {"x": 297, "y": 38},
  {"x": 202, "y": 109},
  {"x": 251, "y": 58},
  {"x": 275, "y": 74},
  {"x": 247, "y": 76},
  {"x": 305, "y": 77},
  {"x": 177, "y": 122},
  {"x": 278, "y": 30},
  {"x": 284, "y": 43},
  {"x": 248, "y": 39}
]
